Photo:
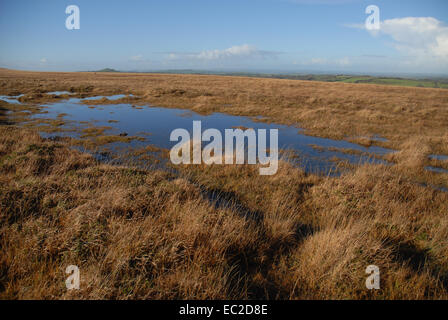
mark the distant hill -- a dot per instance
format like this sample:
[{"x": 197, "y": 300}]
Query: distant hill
[
  {"x": 107, "y": 70},
  {"x": 427, "y": 81}
]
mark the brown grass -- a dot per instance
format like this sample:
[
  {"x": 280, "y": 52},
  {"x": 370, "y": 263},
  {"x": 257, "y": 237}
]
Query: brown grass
[
  {"x": 217, "y": 232},
  {"x": 225, "y": 232},
  {"x": 335, "y": 110}
]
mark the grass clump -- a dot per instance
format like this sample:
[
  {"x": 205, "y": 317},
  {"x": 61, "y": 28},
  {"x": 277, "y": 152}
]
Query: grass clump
[{"x": 215, "y": 232}]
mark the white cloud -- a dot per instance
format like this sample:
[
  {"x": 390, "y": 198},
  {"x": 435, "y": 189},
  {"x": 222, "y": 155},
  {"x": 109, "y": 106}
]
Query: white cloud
[
  {"x": 344, "y": 62},
  {"x": 138, "y": 57},
  {"x": 318, "y": 61},
  {"x": 172, "y": 56},
  {"x": 235, "y": 51},
  {"x": 43, "y": 60},
  {"x": 423, "y": 40},
  {"x": 424, "y": 36},
  {"x": 244, "y": 51}
]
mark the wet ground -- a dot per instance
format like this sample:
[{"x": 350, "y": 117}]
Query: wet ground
[
  {"x": 11, "y": 99},
  {"x": 154, "y": 125}
]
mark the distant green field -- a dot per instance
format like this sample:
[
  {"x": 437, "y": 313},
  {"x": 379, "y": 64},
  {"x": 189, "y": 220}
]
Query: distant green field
[
  {"x": 427, "y": 83},
  {"x": 393, "y": 81},
  {"x": 424, "y": 83}
]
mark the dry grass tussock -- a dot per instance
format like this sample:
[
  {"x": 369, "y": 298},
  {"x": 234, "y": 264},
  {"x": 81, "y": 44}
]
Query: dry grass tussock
[{"x": 217, "y": 232}]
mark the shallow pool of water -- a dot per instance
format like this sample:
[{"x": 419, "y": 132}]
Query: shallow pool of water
[
  {"x": 439, "y": 157},
  {"x": 11, "y": 99},
  {"x": 436, "y": 169},
  {"x": 58, "y": 93},
  {"x": 160, "y": 122},
  {"x": 112, "y": 98}
]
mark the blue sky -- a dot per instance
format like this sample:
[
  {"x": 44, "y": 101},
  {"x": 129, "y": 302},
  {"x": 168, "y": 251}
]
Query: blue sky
[{"x": 246, "y": 35}]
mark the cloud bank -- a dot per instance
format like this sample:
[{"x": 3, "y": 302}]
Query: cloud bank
[
  {"x": 419, "y": 36},
  {"x": 423, "y": 41},
  {"x": 234, "y": 53}
]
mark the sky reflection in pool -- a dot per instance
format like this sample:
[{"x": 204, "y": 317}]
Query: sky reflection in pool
[
  {"x": 58, "y": 93},
  {"x": 11, "y": 99},
  {"x": 436, "y": 169},
  {"x": 160, "y": 122},
  {"x": 112, "y": 98},
  {"x": 438, "y": 157}
]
